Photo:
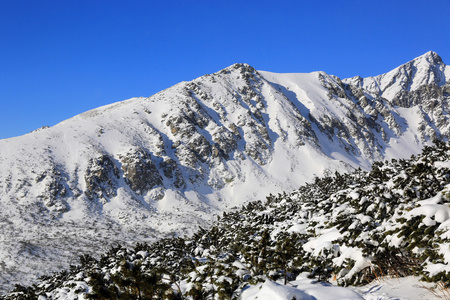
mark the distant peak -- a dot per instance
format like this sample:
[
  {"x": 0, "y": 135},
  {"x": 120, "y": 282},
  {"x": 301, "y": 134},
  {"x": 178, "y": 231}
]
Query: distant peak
[
  {"x": 431, "y": 57},
  {"x": 242, "y": 67}
]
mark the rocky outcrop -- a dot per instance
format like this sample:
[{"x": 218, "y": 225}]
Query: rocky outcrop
[
  {"x": 421, "y": 95},
  {"x": 53, "y": 191},
  {"x": 173, "y": 173},
  {"x": 139, "y": 171},
  {"x": 101, "y": 178}
]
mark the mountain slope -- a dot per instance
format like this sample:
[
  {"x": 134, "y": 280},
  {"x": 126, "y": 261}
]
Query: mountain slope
[
  {"x": 425, "y": 70},
  {"x": 149, "y": 167},
  {"x": 348, "y": 229}
]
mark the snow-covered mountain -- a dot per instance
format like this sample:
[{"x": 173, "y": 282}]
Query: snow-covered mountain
[
  {"x": 150, "y": 167},
  {"x": 348, "y": 229}
]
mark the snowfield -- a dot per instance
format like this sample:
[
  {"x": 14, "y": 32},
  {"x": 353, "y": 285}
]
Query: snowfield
[{"x": 408, "y": 288}]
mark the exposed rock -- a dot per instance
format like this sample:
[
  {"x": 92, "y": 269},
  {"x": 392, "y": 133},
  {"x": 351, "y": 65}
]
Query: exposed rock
[
  {"x": 421, "y": 95},
  {"x": 139, "y": 171},
  {"x": 101, "y": 178},
  {"x": 200, "y": 146},
  {"x": 53, "y": 190},
  {"x": 171, "y": 171},
  {"x": 225, "y": 141}
]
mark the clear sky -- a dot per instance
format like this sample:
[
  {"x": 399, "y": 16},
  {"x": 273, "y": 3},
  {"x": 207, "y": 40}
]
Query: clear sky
[{"x": 59, "y": 58}]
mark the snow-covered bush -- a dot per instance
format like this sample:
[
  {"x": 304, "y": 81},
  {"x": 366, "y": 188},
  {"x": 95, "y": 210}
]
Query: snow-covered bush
[{"x": 350, "y": 228}]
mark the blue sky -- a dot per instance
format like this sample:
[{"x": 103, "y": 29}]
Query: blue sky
[{"x": 59, "y": 58}]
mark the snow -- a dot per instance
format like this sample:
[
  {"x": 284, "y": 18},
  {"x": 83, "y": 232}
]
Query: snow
[
  {"x": 323, "y": 241},
  {"x": 434, "y": 269},
  {"x": 306, "y": 92},
  {"x": 408, "y": 288},
  {"x": 295, "y": 151},
  {"x": 301, "y": 289},
  {"x": 357, "y": 256},
  {"x": 274, "y": 291},
  {"x": 298, "y": 228},
  {"x": 425, "y": 69},
  {"x": 442, "y": 164},
  {"x": 432, "y": 211}
]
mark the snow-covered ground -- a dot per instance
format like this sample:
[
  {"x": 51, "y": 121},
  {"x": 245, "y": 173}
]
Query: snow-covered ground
[{"x": 408, "y": 288}]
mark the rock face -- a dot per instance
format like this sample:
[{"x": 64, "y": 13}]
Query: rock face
[
  {"x": 422, "y": 86},
  {"x": 139, "y": 171},
  {"x": 147, "y": 167},
  {"x": 101, "y": 178}
]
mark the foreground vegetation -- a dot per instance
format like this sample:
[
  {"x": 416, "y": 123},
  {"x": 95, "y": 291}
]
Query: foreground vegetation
[{"x": 346, "y": 228}]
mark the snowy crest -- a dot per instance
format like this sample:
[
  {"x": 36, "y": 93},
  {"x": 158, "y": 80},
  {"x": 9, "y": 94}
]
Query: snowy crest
[{"x": 425, "y": 70}]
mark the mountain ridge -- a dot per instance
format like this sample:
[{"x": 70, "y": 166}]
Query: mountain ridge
[
  {"x": 429, "y": 66},
  {"x": 150, "y": 167}
]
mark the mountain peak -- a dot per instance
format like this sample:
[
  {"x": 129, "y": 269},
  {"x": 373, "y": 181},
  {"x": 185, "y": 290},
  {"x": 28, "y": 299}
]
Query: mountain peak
[
  {"x": 415, "y": 75},
  {"x": 431, "y": 57},
  {"x": 242, "y": 67}
]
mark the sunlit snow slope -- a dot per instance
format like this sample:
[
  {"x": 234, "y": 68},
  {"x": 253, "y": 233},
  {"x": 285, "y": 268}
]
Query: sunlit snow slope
[{"x": 149, "y": 167}]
